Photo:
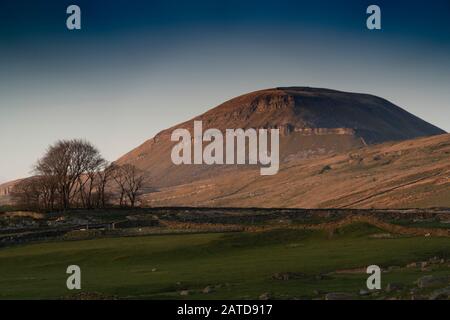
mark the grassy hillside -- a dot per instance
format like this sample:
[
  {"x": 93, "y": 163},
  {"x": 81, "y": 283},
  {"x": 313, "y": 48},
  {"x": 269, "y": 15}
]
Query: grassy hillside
[
  {"x": 234, "y": 265},
  {"x": 407, "y": 174}
]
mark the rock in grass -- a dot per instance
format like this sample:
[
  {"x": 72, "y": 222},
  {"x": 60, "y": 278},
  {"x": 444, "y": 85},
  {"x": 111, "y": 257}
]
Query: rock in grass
[
  {"x": 364, "y": 292},
  {"x": 265, "y": 296},
  {"x": 287, "y": 276},
  {"x": 394, "y": 268},
  {"x": 391, "y": 287},
  {"x": 441, "y": 294},
  {"x": 432, "y": 281},
  {"x": 207, "y": 290},
  {"x": 318, "y": 292},
  {"x": 89, "y": 296},
  {"x": 418, "y": 297},
  {"x": 338, "y": 296},
  {"x": 322, "y": 277},
  {"x": 184, "y": 292}
]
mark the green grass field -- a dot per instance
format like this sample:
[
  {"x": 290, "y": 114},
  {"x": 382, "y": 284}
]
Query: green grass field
[{"x": 238, "y": 265}]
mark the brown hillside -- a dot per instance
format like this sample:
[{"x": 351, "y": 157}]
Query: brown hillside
[
  {"x": 312, "y": 122},
  {"x": 333, "y": 153},
  {"x": 412, "y": 173}
]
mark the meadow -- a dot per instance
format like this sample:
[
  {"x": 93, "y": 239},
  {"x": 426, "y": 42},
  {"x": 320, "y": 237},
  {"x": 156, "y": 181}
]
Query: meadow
[{"x": 238, "y": 265}]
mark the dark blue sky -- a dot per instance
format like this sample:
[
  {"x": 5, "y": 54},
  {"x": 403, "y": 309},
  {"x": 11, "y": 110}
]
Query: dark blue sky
[
  {"x": 138, "y": 67},
  {"x": 39, "y": 20}
]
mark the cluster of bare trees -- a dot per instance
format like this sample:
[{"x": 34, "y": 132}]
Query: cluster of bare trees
[{"x": 73, "y": 174}]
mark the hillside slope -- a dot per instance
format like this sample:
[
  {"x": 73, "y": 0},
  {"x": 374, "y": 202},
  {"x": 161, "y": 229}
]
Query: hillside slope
[
  {"x": 313, "y": 122},
  {"x": 330, "y": 155},
  {"x": 412, "y": 173}
]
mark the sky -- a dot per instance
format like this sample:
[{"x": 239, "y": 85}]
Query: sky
[{"x": 138, "y": 67}]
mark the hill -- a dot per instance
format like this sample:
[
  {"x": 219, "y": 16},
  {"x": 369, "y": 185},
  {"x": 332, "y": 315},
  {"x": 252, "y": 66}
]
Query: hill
[
  {"x": 318, "y": 129},
  {"x": 312, "y": 122},
  {"x": 411, "y": 173}
]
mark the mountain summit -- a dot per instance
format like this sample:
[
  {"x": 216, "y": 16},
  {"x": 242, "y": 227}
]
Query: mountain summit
[{"x": 313, "y": 122}]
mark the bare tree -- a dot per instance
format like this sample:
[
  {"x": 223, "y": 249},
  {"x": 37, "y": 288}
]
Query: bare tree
[
  {"x": 49, "y": 190},
  {"x": 69, "y": 162},
  {"x": 36, "y": 193},
  {"x": 88, "y": 182},
  {"x": 119, "y": 178},
  {"x": 72, "y": 173},
  {"x": 25, "y": 194},
  {"x": 130, "y": 180},
  {"x": 104, "y": 176},
  {"x": 134, "y": 180}
]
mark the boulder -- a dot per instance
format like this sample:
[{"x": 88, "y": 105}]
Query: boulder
[
  {"x": 441, "y": 294},
  {"x": 364, "y": 292},
  {"x": 265, "y": 296},
  {"x": 207, "y": 290},
  {"x": 434, "y": 260},
  {"x": 338, "y": 296},
  {"x": 318, "y": 292},
  {"x": 394, "y": 268},
  {"x": 392, "y": 287},
  {"x": 287, "y": 276},
  {"x": 432, "y": 281}
]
